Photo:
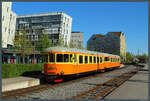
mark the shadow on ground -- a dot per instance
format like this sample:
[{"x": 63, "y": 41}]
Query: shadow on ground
[{"x": 35, "y": 74}]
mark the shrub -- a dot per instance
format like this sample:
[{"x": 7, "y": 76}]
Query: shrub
[{"x": 14, "y": 70}]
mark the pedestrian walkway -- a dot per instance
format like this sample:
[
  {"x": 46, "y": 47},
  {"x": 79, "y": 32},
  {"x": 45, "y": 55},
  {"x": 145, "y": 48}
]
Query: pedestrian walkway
[
  {"x": 135, "y": 88},
  {"x": 18, "y": 83}
]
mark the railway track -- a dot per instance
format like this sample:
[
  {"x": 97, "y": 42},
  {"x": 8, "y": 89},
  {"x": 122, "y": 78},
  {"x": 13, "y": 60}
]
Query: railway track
[
  {"x": 22, "y": 92},
  {"x": 102, "y": 90}
]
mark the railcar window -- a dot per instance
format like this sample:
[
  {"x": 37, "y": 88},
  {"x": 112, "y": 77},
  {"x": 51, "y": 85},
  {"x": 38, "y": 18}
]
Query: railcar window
[
  {"x": 86, "y": 59},
  {"x": 59, "y": 58},
  {"x": 80, "y": 59},
  {"x": 66, "y": 58},
  {"x": 71, "y": 58},
  {"x": 52, "y": 58},
  {"x": 97, "y": 59},
  {"x": 94, "y": 59},
  {"x": 105, "y": 59},
  {"x": 100, "y": 59},
  {"x": 90, "y": 59}
]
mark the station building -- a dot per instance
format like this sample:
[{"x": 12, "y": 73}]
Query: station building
[
  {"x": 56, "y": 25},
  {"x": 77, "y": 39},
  {"x": 112, "y": 42}
]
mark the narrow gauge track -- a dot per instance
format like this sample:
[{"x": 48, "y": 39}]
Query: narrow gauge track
[
  {"x": 22, "y": 92},
  {"x": 102, "y": 90}
]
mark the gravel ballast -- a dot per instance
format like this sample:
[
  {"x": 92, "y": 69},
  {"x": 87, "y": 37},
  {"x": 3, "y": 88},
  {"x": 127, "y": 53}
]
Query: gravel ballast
[{"x": 69, "y": 90}]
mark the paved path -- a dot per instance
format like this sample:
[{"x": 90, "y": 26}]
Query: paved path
[{"x": 135, "y": 88}]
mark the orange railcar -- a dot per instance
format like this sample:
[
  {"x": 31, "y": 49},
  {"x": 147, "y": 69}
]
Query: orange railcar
[{"x": 63, "y": 62}]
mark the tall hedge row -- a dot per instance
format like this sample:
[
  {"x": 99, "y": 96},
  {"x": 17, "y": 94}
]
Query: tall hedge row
[{"x": 14, "y": 70}]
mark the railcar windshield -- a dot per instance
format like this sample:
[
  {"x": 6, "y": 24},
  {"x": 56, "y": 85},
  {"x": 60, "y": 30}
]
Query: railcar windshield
[{"x": 45, "y": 57}]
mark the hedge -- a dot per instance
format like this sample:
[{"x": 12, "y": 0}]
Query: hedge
[{"x": 14, "y": 70}]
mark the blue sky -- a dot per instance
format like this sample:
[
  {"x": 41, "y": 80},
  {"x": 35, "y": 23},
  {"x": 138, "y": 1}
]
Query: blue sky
[{"x": 99, "y": 17}]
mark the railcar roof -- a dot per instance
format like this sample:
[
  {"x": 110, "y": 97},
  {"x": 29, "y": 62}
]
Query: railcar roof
[{"x": 65, "y": 49}]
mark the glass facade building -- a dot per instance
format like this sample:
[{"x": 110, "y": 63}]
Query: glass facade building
[{"x": 54, "y": 24}]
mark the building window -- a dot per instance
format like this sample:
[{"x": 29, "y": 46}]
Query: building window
[
  {"x": 3, "y": 18},
  {"x": 5, "y": 29},
  {"x": 9, "y": 31},
  {"x": 7, "y": 9},
  {"x": 33, "y": 37},
  {"x": 10, "y": 16}
]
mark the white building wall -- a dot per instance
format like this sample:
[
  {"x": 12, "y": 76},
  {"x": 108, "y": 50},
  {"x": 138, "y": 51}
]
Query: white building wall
[
  {"x": 66, "y": 28},
  {"x": 8, "y": 24}
]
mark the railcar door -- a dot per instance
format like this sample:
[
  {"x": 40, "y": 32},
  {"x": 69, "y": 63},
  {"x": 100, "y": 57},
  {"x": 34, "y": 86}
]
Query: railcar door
[{"x": 75, "y": 63}]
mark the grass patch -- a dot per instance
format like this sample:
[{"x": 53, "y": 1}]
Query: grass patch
[{"x": 15, "y": 70}]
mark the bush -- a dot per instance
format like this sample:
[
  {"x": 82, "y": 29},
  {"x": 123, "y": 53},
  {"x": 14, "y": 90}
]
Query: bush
[{"x": 14, "y": 70}]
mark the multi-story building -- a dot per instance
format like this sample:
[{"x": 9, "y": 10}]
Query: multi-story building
[
  {"x": 56, "y": 25},
  {"x": 112, "y": 42},
  {"x": 77, "y": 39},
  {"x": 8, "y": 25}
]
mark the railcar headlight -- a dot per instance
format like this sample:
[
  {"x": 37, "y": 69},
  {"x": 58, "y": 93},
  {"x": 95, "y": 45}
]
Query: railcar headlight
[{"x": 62, "y": 72}]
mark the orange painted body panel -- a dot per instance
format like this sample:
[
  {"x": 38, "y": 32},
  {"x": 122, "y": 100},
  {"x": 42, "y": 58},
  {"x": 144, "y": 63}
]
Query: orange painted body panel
[{"x": 69, "y": 69}]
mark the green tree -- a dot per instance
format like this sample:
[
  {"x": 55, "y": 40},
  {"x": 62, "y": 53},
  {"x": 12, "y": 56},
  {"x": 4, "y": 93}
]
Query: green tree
[
  {"x": 22, "y": 44},
  {"x": 145, "y": 56},
  {"x": 71, "y": 45},
  {"x": 129, "y": 57},
  {"x": 43, "y": 43},
  {"x": 80, "y": 45},
  {"x": 65, "y": 44},
  {"x": 142, "y": 57},
  {"x": 60, "y": 41}
]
